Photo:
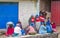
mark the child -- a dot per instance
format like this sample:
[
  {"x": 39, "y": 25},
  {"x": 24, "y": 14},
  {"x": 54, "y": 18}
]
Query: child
[
  {"x": 43, "y": 29},
  {"x": 30, "y": 30},
  {"x": 17, "y": 30},
  {"x": 53, "y": 27},
  {"x": 10, "y": 29},
  {"x": 23, "y": 31},
  {"x": 48, "y": 25}
]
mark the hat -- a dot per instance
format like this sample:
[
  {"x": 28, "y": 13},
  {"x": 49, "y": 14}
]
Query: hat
[
  {"x": 17, "y": 24},
  {"x": 10, "y": 23}
]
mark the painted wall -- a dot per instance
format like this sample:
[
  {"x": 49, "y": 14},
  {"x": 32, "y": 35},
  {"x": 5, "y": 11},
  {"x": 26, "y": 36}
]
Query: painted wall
[
  {"x": 8, "y": 12},
  {"x": 55, "y": 9}
]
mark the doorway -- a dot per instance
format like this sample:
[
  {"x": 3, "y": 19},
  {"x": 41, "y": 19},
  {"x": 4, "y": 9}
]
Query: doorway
[
  {"x": 8, "y": 12},
  {"x": 55, "y": 12}
]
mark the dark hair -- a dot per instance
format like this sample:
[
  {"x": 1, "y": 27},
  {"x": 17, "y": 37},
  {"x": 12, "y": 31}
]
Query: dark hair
[
  {"x": 40, "y": 13},
  {"x": 10, "y": 25},
  {"x": 44, "y": 23},
  {"x": 19, "y": 22}
]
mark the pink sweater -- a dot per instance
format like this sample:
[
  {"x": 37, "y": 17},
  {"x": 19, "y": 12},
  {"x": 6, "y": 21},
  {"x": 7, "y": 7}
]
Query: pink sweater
[{"x": 31, "y": 29}]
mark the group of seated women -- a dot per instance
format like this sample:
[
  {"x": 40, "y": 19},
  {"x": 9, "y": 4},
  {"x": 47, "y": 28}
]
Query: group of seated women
[{"x": 31, "y": 29}]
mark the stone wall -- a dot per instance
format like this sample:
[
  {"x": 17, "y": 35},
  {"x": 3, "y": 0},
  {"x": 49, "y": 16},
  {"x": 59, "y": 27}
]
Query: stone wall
[{"x": 53, "y": 35}]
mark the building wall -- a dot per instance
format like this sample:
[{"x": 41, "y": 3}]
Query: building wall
[
  {"x": 26, "y": 9},
  {"x": 45, "y": 4}
]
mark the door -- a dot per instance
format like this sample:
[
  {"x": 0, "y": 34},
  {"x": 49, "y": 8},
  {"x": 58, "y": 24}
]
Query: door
[
  {"x": 8, "y": 12},
  {"x": 55, "y": 12}
]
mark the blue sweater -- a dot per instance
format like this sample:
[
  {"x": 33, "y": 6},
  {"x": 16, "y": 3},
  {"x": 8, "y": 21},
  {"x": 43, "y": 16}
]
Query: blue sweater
[
  {"x": 42, "y": 29},
  {"x": 48, "y": 26},
  {"x": 23, "y": 32}
]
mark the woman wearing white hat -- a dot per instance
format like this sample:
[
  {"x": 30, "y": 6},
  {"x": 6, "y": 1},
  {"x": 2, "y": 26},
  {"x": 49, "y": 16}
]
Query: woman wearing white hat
[
  {"x": 10, "y": 29},
  {"x": 17, "y": 30}
]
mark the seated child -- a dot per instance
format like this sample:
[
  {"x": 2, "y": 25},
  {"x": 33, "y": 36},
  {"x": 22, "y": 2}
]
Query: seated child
[
  {"x": 17, "y": 30},
  {"x": 43, "y": 29},
  {"x": 30, "y": 30},
  {"x": 53, "y": 26},
  {"x": 23, "y": 31},
  {"x": 10, "y": 29}
]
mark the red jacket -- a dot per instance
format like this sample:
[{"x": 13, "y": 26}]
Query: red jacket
[
  {"x": 33, "y": 19},
  {"x": 42, "y": 18},
  {"x": 10, "y": 31},
  {"x": 37, "y": 19}
]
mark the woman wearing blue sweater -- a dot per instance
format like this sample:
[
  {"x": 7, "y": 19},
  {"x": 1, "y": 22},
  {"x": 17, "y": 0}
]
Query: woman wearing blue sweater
[{"x": 48, "y": 26}]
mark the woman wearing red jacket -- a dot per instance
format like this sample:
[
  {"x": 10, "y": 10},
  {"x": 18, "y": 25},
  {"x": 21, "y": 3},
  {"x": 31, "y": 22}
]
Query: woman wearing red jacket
[
  {"x": 10, "y": 29},
  {"x": 42, "y": 19}
]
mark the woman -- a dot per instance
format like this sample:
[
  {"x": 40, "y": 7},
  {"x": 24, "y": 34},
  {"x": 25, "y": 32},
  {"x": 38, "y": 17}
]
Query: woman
[
  {"x": 30, "y": 30},
  {"x": 42, "y": 19},
  {"x": 10, "y": 29},
  {"x": 43, "y": 29},
  {"x": 37, "y": 20},
  {"x": 32, "y": 21},
  {"x": 48, "y": 25},
  {"x": 17, "y": 30}
]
